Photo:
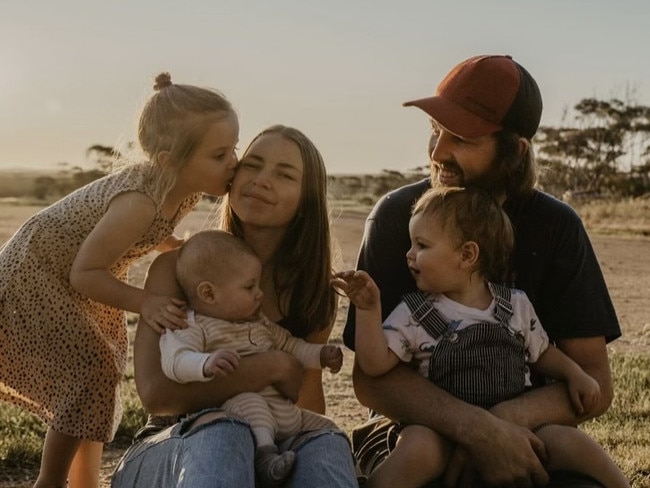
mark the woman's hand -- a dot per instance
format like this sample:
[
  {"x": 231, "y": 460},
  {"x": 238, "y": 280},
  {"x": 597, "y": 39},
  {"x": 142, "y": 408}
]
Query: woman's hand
[{"x": 162, "y": 312}]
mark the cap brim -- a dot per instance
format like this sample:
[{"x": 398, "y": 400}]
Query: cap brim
[{"x": 454, "y": 118}]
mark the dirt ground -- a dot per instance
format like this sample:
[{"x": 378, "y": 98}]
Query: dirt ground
[{"x": 625, "y": 262}]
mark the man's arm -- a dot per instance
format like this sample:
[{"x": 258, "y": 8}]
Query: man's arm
[
  {"x": 551, "y": 403},
  {"x": 500, "y": 451},
  {"x": 162, "y": 396}
]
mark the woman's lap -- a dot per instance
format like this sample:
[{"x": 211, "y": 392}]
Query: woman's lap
[
  {"x": 198, "y": 457},
  {"x": 220, "y": 454}
]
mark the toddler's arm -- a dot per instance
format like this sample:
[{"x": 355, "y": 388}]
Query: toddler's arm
[
  {"x": 371, "y": 346},
  {"x": 583, "y": 389}
]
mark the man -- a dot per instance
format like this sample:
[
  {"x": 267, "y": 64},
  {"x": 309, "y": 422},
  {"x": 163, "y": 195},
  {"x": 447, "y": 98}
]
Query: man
[{"x": 484, "y": 114}]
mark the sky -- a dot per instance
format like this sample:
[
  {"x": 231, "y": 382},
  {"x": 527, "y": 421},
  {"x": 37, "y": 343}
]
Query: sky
[{"x": 74, "y": 73}]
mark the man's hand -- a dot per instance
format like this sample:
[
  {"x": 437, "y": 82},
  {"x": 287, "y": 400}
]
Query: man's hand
[
  {"x": 221, "y": 362},
  {"x": 503, "y": 454},
  {"x": 331, "y": 357}
]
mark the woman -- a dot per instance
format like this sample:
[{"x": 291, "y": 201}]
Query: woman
[{"x": 277, "y": 204}]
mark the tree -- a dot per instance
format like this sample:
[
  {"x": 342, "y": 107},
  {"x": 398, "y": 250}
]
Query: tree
[
  {"x": 44, "y": 186},
  {"x": 102, "y": 156},
  {"x": 607, "y": 139}
]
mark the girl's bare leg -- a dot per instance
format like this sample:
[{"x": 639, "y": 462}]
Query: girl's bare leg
[
  {"x": 570, "y": 449},
  {"x": 86, "y": 465},
  {"x": 58, "y": 453}
]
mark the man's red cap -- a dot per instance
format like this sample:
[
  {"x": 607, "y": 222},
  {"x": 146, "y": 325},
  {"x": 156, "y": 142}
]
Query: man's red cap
[{"x": 483, "y": 95}]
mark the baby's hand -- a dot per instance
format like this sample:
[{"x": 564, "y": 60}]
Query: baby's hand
[
  {"x": 161, "y": 312},
  {"x": 331, "y": 357},
  {"x": 584, "y": 392},
  {"x": 221, "y": 362},
  {"x": 359, "y": 287}
]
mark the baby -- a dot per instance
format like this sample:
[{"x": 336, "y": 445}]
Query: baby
[{"x": 220, "y": 276}]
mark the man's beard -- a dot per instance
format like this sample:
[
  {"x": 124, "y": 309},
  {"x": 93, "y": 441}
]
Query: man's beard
[{"x": 493, "y": 181}]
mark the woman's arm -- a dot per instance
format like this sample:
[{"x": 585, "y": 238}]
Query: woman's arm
[{"x": 162, "y": 396}]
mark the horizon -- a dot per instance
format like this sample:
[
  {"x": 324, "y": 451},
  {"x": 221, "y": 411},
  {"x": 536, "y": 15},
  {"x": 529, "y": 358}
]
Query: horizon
[{"x": 76, "y": 72}]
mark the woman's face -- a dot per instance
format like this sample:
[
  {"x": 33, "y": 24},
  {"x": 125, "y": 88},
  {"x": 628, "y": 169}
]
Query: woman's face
[{"x": 267, "y": 187}]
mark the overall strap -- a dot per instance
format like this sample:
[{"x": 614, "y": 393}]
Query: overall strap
[
  {"x": 503, "y": 311},
  {"x": 425, "y": 314}
]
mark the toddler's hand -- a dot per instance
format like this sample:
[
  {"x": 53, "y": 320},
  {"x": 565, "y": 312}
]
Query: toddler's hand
[
  {"x": 161, "y": 312},
  {"x": 331, "y": 357},
  {"x": 359, "y": 287},
  {"x": 221, "y": 362},
  {"x": 584, "y": 392}
]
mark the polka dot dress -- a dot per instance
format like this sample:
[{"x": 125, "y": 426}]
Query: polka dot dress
[{"x": 62, "y": 355}]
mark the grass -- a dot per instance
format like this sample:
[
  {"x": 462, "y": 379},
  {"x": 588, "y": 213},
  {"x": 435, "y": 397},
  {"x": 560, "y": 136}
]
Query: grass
[
  {"x": 628, "y": 216},
  {"x": 623, "y": 431}
]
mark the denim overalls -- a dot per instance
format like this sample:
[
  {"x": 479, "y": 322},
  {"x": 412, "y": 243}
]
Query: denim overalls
[{"x": 482, "y": 364}]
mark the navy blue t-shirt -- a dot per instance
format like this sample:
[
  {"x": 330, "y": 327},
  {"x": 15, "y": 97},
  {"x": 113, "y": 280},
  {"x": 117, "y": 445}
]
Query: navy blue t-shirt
[{"x": 554, "y": 263}]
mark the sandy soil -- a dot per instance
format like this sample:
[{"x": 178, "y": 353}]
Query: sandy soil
[{"x": 625, "y": 263}]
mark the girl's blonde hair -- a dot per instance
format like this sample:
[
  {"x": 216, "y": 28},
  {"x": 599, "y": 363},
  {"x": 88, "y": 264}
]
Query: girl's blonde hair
[
  {"x": 175, "y": 119},
  {"x": 472, "y": 214},
  {"x": 303, "y": 261}
]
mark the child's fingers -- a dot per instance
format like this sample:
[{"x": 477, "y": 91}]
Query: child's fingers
[
  {"x": 231, "y": 357},
  {"x": 339, "y": 283},
  {"x": 576, "y": 399},
  {"x": 225, "y": 366},
  {"x": 157, "y": 328},
  {"x": 344, "y": 274},
  {"x": 173, "y": 317}
]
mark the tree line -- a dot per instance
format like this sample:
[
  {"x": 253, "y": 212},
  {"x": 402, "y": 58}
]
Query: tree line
[{"x": 601, "y": 148}]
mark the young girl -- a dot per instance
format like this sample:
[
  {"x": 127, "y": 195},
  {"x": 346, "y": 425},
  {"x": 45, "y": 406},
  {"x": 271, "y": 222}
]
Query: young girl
[
  {"x": 63, "y": 290},
  {"x": 469, "y": 335}
]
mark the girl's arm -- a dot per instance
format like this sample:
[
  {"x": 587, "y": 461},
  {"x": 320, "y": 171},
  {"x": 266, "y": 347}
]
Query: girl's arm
[
  {"x": 126, "y": 221},
  {"x": 162, "y": 396}
]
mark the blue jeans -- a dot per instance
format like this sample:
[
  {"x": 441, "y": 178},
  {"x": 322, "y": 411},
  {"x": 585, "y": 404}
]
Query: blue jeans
[{"x": 220, "y": 454}]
